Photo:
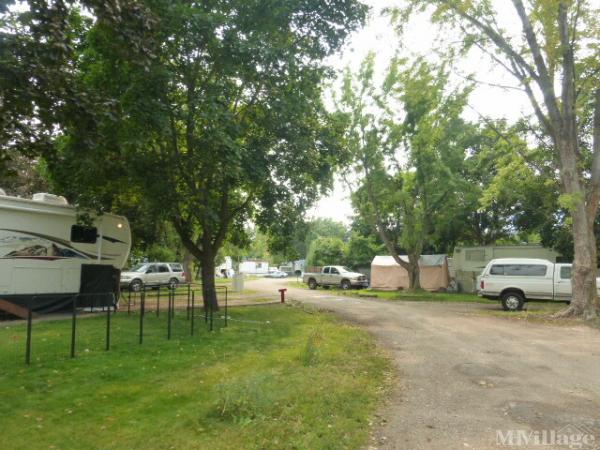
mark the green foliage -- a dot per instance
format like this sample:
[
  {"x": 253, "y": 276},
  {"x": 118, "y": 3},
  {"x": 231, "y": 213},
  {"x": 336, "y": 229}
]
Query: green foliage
[
  {"x": 160, "y": 253},
  {"x": 324, "y": 228},
  {"x": 310, "y": 353},
  {"x": 554, "y": 60},
  {"x": 221, "y": 122},
  {"x": 407, "y": 142},
  {"x": 246, "y": 400},
  {"x": 295, "y": 242},
  {"x": 241, "y": 387},
  {"x": 326, "y": 251},
  {"x": 40, "y": 54},
  {"x": 361, "y": 250}
]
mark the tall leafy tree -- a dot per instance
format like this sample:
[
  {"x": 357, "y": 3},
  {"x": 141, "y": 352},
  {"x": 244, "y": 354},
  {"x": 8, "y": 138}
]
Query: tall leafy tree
[
  {"x": 222, "y": 126},
  {"x": 326, "y": 251},
  {"x": 555, "y": 59},
  {"x": 407, "y": 144},
  {"x": 360, "y": 251},
  {"x": 40, "y": 45}
]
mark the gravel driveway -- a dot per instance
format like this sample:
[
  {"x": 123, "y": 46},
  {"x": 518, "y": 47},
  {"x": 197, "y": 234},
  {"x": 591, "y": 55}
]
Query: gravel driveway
[{"x": 464, "y": 378}]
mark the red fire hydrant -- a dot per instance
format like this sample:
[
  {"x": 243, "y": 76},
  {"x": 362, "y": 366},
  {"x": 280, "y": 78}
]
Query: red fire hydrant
[{"x": 282, "y": 292}]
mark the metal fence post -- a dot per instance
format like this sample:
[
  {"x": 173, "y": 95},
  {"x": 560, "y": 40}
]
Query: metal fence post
[
  {"x": 28, "y": 343},
  {"x": 205, "y": 308},
  {"x": 73, "y": 326},
  {"x": 189, "y": 298},
  {"x": 158, "y": 302},
  {"x": 169, "y": 313},
  {"x": 129, "y": 302},
  {"x": 225, "y": 306},
  {"x": 192, "y": 318},
  {"x": 142, "y": 308},
  {"x": 173, "y": 302},
  {"x": 108, "y": 325},
  {"x": 211, "y": 317}
]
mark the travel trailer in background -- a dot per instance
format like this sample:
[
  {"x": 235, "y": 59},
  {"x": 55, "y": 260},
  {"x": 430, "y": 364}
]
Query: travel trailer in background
[
  {"x": 47, "y": 258},
  {"x": 225, "y": 270},
  {"x": 254, "y": 267}
]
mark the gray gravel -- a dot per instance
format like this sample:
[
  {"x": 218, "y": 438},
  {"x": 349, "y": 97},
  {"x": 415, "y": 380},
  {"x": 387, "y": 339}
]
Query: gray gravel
[{"x": 463, "y": 377}]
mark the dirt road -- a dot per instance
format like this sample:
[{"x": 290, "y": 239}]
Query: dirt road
[{"x": 464, "y": 378}]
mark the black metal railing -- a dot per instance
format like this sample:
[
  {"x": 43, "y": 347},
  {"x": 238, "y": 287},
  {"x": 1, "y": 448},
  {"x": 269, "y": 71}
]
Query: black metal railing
[{"x": 137, "y": 315}]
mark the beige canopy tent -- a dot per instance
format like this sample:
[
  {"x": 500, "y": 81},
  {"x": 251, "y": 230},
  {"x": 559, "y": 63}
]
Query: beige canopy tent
[{"x": 387, "y": 274}]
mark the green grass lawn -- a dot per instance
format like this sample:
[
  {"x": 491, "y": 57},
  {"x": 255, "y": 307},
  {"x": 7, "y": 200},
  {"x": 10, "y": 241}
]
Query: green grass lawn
[
  {"x": 537, "y": 312},
  {"x": 414, "y": 296},
  {"x": 402, "y": 295},
  {"x": 276, "y": 377}
]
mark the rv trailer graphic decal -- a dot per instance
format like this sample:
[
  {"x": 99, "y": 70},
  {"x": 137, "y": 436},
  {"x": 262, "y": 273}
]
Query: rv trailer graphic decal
[{"x": 20, "y": 245}]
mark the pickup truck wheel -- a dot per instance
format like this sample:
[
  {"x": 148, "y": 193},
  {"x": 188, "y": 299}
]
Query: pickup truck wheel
[
  {"x": 512, "y": 301},
  {"x": 346, "y": 285},
  {"x": 312, "y": 283}
]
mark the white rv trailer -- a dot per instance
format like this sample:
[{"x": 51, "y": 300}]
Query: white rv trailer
[{"x": 47, "y": 258}]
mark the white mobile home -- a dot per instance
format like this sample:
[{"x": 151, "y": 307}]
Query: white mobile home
[
  {"x": 47, "y": 258},
  {"x": 254, "y": 267}
]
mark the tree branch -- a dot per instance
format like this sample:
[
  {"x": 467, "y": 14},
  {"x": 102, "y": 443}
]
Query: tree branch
[
  {"x": 496, "y": 38},
  {"x": 181, "y": 228},
  {"x": 379, "y": 222},
  {"x": 544, "y": 80}
]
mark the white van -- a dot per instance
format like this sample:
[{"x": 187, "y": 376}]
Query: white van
[{"x": 517, "y": 280}]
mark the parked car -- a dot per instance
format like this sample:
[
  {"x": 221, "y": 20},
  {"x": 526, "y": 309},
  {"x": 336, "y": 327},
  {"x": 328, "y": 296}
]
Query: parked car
[
  {"x": 515, "y": 281},
  {"x": 276, "y": 274},
  {"x": 153, "y": 274},
  {"x": 335, "y": 276}
]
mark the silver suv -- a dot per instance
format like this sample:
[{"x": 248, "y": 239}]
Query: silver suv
[{"x": 153, "y": 274}]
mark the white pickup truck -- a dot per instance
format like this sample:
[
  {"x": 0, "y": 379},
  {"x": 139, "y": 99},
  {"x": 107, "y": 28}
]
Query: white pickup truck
[
  {"x": 335, "y": 276},
  {"x": 517, "y": 280}
]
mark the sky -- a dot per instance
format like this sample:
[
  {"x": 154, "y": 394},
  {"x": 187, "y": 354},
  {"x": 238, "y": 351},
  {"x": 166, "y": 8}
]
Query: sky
[{"x": 419, "y": 38}]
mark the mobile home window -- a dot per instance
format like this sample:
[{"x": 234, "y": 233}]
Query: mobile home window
[
  {"x": 475, "y": 255},
  {"x": 84, "y": 235}
]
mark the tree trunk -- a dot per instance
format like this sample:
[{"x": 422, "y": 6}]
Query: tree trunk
[
  {"x": 188, "y": 265},
  {"x": 583, "y": 275},
  {"x": 414, "y": 273},
  {"x": 209, "y": 292}
]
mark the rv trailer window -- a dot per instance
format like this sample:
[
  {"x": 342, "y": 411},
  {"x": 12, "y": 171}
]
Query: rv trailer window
[{"x": 84, "y": 235}]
